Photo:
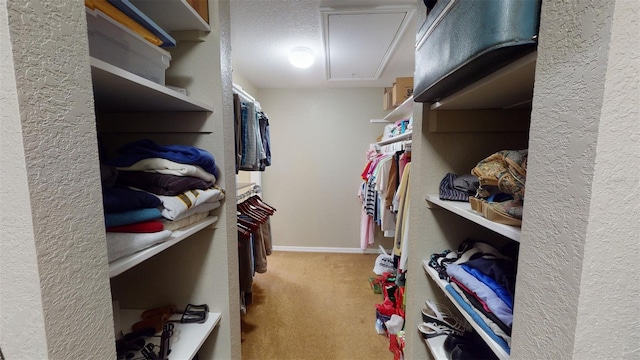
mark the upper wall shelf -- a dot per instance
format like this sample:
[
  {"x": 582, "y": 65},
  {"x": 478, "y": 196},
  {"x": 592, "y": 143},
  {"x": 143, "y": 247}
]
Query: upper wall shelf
[
  {"x": 117, "y": 90},
  {"x": 405, "y": 136},
  {"x": 172, "y": 15},
  {"x": 464, "y": 209},
  {"x": 404, "y": 111},
  {"x": 508, "y": 88}
]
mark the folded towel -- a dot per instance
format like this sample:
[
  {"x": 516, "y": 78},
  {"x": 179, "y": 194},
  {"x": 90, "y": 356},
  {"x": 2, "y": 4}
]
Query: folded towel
[
  {"x": 143, "y": 149},
  {"x": 117, "y": 200},
  {"x": 161, "y": 184},
  {"x": 123, "y": 244},
  {"x": 131, "y": 217},
  {"x": 189, "y": 220},
  {"x": 141, "y": 227},
  {"x": 164, "y": 166}
]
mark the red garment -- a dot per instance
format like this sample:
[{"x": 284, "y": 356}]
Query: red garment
[
  {"x": 141, "y": 227},
  {"x": 365, "y": 171}
]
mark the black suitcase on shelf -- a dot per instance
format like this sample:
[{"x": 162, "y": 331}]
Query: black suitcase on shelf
[{"x": 462, "y": 41}]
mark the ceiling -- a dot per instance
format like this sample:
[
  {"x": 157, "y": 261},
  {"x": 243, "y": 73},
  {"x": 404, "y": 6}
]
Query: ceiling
[{"x": 356, "y": 43}]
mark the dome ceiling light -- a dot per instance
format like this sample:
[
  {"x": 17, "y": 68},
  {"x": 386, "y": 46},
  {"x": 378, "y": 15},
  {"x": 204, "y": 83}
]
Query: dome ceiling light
[{"x": 301, "y": 57}]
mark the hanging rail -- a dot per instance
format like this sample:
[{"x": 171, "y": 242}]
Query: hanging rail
[{"x": 255, "y": 189}]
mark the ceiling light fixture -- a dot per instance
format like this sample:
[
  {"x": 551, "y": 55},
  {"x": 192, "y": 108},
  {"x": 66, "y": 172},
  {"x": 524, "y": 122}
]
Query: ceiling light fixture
[{"x": 301, "y": 57}]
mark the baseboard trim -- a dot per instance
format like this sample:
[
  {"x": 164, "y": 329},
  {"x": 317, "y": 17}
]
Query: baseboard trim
[{"x": 326, "y": 249}]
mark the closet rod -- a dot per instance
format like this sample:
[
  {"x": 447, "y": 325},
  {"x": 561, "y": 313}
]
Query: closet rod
[
  {"x": 240, "y": 90},
  {"x": 255, "y": 189}
]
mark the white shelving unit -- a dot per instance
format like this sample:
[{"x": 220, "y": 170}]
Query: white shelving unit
[
  {"x": 118, "y": 90},
  {"x": 464, "y": 209},
  {"x": 187, "y": 338},
  {"x": 121, "y": 265},
  {"x": 173, "y": 15},
  {"x": 452, "y": 135},
  {"x": 497, "y": 349},
  {"x": 130, "y": 107}
]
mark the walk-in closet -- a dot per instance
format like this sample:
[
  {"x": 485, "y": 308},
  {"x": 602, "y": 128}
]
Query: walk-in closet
[{"x": 174, "y": 188}]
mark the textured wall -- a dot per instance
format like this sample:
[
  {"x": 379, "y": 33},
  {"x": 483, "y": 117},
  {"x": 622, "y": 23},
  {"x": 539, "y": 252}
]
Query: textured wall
[
  {"x": 319, "y": 139},
  {"x": 22, "y": 333},
  {"x": 568, "y": 97},
  {"x": 56, "y": 107},
  {"x": 609, "y": 307}
]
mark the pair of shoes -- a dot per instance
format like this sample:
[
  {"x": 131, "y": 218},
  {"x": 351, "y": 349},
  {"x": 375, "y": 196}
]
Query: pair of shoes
[
  {"x": 430, "y": 330},
  {"x": 500, "y": 210},
  {"x": 441, "y": 315},
  {"x": 154, "y": 318},
  {"x": 507, "y": 212}
]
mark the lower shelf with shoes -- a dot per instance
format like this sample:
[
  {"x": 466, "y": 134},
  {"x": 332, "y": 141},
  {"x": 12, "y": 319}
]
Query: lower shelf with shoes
[
  {"x": 497, "y": 349},
  {"x": 186, "y": 339}
]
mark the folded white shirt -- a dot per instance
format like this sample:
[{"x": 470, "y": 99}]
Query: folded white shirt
[
  {"x": 164, "y": 166},
  {"x": 180, "y": 206}
]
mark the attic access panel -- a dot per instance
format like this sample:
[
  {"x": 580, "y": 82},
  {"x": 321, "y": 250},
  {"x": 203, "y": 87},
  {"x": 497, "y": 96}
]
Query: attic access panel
[{"x": 359, "y": 43}]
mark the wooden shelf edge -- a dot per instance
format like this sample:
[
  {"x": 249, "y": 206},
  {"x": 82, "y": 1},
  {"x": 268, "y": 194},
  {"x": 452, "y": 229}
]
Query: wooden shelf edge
[
  {"x": 464, "y": 210},
  {"x": 121, "y": 265},
  {"x": 497, "y": 349}
]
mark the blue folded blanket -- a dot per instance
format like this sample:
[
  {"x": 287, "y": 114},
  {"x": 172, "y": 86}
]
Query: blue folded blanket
[
  {"x": 144, "y": 149},
  {"x": 131, "y": 217},
  {"x": 116, "y": 200}
]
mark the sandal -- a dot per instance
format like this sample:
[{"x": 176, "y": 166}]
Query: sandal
[
  {"x": 441, "y": 315},
  {"x": 430, "y": 330}
]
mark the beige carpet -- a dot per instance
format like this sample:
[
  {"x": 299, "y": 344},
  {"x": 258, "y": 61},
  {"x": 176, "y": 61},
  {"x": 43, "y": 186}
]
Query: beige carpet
[{"x": 314, "y": 306}]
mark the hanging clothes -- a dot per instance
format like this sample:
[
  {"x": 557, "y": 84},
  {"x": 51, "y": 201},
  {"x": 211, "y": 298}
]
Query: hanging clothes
[
  {"x": 252, "y": 137},
  {"x": 380, "y": 181},
  {"x": 254, "y": 240}
]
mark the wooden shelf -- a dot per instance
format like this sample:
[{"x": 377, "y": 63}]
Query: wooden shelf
[
  {"x": 172, "y": 15},
  {"x": 404, "y": 111},
  {"x": 508, "y": 88},
  {"x": 121, "y": 265},
  {"x": 117, "y": 90},
  {"x": 497, "y": 349},
  {"x": 464, "y": 209},
  {"x": 187, "y": 338},
  {"x": 405, "y": 136}
]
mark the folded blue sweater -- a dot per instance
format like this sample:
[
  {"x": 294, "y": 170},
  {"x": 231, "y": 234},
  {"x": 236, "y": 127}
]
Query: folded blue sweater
[{"x": 144, "y": 149}]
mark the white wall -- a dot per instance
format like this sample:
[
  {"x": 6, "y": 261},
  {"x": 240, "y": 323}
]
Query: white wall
[
  {"x": 319, "y": 138},
  {"x": 577, "y": 292},
  {"x": 21, "y": 332},
  {"x": 57, "y": 154}
]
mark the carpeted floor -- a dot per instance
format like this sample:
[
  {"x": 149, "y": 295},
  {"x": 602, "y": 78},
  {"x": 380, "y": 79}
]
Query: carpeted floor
[{"x": 310, "y": 306}]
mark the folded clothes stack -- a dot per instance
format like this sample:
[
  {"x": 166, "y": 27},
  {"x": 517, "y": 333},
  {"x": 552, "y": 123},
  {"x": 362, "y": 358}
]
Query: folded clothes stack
[{"x": 152, "y": 190}]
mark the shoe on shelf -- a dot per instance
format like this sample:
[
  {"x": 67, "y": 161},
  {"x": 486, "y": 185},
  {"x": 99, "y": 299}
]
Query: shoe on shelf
[
  {"x": 507, "y": 212},
  {"x": 441, "y": 315},
  {"x": 430, "y": 330}
]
